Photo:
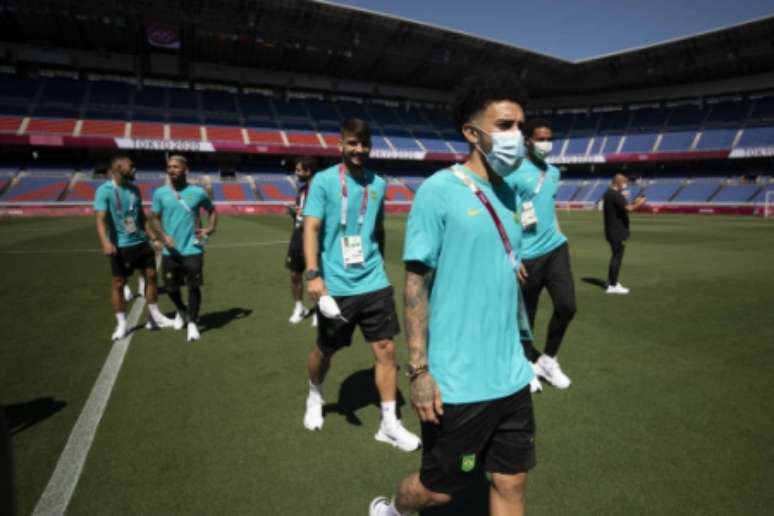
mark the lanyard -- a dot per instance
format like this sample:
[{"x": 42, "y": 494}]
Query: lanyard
[
  {"x": 301, "y": 202},
  {"x": 180, "y": 199},
  {"x": 495, "y": 218},
  {"x": 539, "y": 185},
  {"x": 525, "y": 332},
  {"x": 345, "y": 200},
  {"x": 117, "y": 197}
]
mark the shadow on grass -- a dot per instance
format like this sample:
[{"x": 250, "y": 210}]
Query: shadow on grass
[
  {"x": 597, "y": 282},
  {"x": 357, "y": 391},
  {"x": 215, "y": 320},
  {"x": 473, "y": 501},
  {"x": 22, "y": 416}
]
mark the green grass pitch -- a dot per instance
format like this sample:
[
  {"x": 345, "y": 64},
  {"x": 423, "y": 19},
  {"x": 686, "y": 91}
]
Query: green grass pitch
[{"x": 671, "y": 411}]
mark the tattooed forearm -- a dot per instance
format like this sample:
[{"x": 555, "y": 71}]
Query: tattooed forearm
[{"x": 416, "y": 311}]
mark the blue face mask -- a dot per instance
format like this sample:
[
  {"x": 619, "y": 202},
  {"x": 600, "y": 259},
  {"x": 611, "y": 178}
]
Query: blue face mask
[{"x": 507, "y": 151}]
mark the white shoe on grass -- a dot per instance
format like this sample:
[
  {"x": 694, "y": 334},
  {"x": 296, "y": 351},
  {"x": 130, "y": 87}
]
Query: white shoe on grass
[
  {"x": 535, "y": 386},
  {"x": 380, "y": 506},
  {"x": 193, "y": 332},
  {"x": 313, "y": 417},
  {"x": 178, "y": 323},
  {"x": 314, "y": 320},
  {"x": 617, "y": 289},
  {"x": 128, "y": 296},
  {"x": 548, "y": 368},
  {"x": 396, "y": 435},
  {"x": 119, "y": 333},
  {"x": 300, "y": 313}
]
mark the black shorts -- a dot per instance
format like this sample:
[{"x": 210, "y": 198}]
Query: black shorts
[
  {"x": 294, "y": 261},
  {"x": 374, "y": 312},
  {"x": 127, "y": 259},
  {"x": 182, "y": 270},
  {"x": 497, "y": 436}
]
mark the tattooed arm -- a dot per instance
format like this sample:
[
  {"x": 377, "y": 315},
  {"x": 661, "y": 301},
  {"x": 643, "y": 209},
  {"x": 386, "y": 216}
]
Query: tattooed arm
[{"x": 425, "y": 395}]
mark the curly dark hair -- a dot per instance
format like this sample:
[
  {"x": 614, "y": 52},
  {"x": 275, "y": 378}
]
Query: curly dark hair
[
  {"x": 481, "y": 89},
  {"x": 535, "y": 123}
]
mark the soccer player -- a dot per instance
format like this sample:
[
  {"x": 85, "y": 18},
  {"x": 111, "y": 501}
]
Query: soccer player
[
  {"x": 343, "y": 219},
  {"x": 121, "y": 227},
  {"x": 128, "y": 295},
  {"x": 545, "y": 252},
  {"x": 294, "y": 261},
  {"x": 469, "y": 377},
  {"x": 616, "y": 215},
  {"x": 175, "y": 216}
]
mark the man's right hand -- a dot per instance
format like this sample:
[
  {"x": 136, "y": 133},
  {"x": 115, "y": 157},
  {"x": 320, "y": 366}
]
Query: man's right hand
[
  {"x": 426, "y": 398},
  {"x": 169, "y": 242},
  {"x": 316, "y": 289},
  {"x": 109, "y": 249}
]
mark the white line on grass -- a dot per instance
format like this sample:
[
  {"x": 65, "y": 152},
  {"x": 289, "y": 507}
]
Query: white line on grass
[
  {"x": 60, "y": 488},
  {"x": 78, "y": 251}
]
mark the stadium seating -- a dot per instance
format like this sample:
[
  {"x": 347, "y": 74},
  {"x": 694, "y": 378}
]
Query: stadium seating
[
  {"x": 232, "y": 192},
  {"x": 274, "y": 187},
  {"x": 697, "y": 191},
  {"x": 736, "y": 193},
  {"x": 35, "y": 189},
  {"x": 662, "y": 190}
]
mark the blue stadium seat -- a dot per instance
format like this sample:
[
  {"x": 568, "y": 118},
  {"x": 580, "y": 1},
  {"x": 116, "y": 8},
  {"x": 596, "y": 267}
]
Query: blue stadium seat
[
  {"x": 110, "y": 94},
  {"x": 256, "y": 107},
  {"x": 715, "y": 139},
  {"x": 763, "y": 109},
  {"x": 218, "y": 101},
  {"x": 736, "y": 193},
  {"x": 384, "y": 115},
  {"x": 184, "y": 100},
  {"x": 662, "y": 190},
  {"x": 566, "y": 191},
  {"x": 614, "y": 122},
  {"x": 727, "y": 112},
  {"x": 18, "y": 90},
  {"x": 575, "y": 146},
  {"x": 697, "y": 191},
  {"x": 63, "y": 91},
  {"x": 691, "y": 115},
  {"x": 648, "y": 118},
  {"x": 676, "y": 141},
  {"x": 643, "y": 142},
  {"x": 757, "y": 136},
  {"x": 291, "y": 109},
  {"x": 352, "y": 110},
  {"x": 152, "y": 97},
  {"x": 585, "y": 124},
  {"x": 323, "y": 112}
]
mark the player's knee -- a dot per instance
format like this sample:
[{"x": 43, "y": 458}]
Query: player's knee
[
  {"x": 384, "y": 351},
  {"x": 414, "y": 488},
  {"x": 150, "y": 274},
  {"x": 118, "y": 282},
  {"x": 510, "y": 486},
  {"x": 323, "y": 352},
  {"x": 566, "y": 309}
]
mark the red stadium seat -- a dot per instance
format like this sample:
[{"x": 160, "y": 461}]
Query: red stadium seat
[
  {"x": 10, "y": 124},
  {"x": 309, "y": 139},
  {"x": 217, "y": 133},
  {"x": 185, "y": 132},
  {"x": 263, "y": 136},
  {"x": 399, "y": 193},
  {"x": 51, "y": 126},
  {"x": 111, "y": 128},
  {"x": 271, "y": 192},
  {"x": 153, "y": 130},
  {"x": 82, "y": 191}
]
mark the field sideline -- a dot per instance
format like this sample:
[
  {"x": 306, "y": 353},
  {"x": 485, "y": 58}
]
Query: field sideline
[{"x": 670, "y": 411}]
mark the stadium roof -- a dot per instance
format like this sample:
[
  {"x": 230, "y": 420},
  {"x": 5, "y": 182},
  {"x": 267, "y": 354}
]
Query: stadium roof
[{"x": 348, "y": 44}]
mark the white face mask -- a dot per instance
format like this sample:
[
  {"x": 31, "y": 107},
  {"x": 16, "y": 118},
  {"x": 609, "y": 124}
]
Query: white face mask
[
  {"x": 542, "y": 149},
  {"x": 507, "y": 151}
]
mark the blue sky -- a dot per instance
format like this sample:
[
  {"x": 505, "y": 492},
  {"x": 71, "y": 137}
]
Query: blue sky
[{"x": 576, "y": 29}]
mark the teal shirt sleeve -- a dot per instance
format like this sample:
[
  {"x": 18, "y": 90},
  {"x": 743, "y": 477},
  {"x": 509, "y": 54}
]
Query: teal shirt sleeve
[
  {"x": 315, "y": 201},
  {"x": 156, "y": 202},
  {"x": 101, "y": 200},
  {"x": 425, "y": 227}
]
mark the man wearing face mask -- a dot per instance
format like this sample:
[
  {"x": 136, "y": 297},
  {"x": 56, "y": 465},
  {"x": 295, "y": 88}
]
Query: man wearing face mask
[
  {"x": 469, "y": 377},
  {"x": 616, "y": 215},
  {"x": 294, "y": 261},
  {"x": 545, "y": 252}
]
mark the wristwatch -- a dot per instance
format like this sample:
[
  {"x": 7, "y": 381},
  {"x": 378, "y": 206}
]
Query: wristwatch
[
  {"x": 311, "y": 274},
  {"x": 413, "y": 371}
]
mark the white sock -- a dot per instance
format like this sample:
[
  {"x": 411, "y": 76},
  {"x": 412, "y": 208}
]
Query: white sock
[
  {"x": 299, "y": 307},
  {"x": 121, "y": 318},
  {"x": 388, "y": 413},
  {"x": 153, "y": 309},
  {"x": 315, "y": 390},
  {"x": 393, "y": 511},
  {"x": 141, "y": 286}
]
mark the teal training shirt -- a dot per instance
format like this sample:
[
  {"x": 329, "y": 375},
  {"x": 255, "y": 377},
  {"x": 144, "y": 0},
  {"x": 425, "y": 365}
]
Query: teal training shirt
[
  {"x": 324, "y": 203},
  {"x": 474, "y": 351},
  {"x": 544, "y": 236},
  {"x": 179, "y": 212},
  {"x": 120, "y": 202}
]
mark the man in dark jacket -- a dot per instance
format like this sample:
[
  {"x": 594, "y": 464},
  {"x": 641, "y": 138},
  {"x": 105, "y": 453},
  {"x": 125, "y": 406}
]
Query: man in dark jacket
[{"x": 616, "y": 211}]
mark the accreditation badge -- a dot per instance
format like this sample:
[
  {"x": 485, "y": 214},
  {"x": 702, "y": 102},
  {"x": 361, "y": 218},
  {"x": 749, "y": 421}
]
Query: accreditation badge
[
  {"x": 352, "y": 250},
  {"x": 130, "y": 225},
  {"x": 528, "y": 215}
]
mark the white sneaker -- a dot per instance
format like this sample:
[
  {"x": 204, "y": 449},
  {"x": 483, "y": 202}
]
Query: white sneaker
[
  {"x": 396, "y": 435},
  {"x": 178, "y": 322},
  {"x": 617, "y": 289},
  {"x": 314, "y": 320},
  {"x": 119, "y": 333},
  {"x": 193, "y": 332},
  {"x": 379, "y": 506},
  {"x": 128, "y": 296},
  {"x": 313, "y": 417},
  {"x": 163, "y": 321},
  {"x": 548, "y": 368},
  {"x": 299, "y": 314},
  {"x": 534, "y": 385}
]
